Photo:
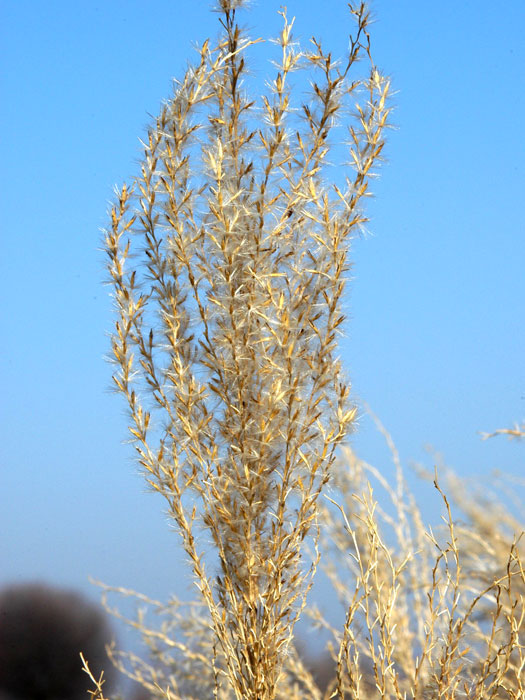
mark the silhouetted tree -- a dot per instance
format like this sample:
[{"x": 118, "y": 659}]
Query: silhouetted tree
[{"x": 42, "y": 632}]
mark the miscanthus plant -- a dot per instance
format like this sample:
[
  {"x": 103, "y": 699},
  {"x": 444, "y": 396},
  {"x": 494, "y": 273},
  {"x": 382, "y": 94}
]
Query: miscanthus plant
[
  {"x": 429, "y": 613},
  {"x": 227, "y": 256},
  {"x": 425, "y": 613}
]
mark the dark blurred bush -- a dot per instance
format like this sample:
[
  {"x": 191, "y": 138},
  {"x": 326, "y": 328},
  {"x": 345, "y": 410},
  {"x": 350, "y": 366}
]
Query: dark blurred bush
[{"x": 42, "y": 632}]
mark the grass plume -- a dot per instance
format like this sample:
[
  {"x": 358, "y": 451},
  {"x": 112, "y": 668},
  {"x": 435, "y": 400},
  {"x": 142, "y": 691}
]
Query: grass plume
[{"x": 228, "y": 256}]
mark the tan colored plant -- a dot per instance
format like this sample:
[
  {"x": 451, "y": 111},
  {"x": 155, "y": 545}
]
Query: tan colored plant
[
  {"x": 227, "y": 257},
  {"x": 517, "y": 431},
  {"x": 98, "y": 683},
  {"x": 429, "y": 614}
]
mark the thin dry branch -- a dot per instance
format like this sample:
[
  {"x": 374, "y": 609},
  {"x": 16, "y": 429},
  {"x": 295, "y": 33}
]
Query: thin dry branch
[{"x": 518, "y": 431}]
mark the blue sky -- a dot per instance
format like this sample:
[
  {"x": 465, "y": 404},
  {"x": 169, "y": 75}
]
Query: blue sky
[{"x": 435, "y": 337}]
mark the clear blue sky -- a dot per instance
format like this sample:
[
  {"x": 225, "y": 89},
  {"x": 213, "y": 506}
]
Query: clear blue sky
[{"x": 435, "y": 340}]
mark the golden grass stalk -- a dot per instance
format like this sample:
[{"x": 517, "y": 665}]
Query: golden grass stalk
[
  {"x": 227, "y": 257},
  {"x": 429, "y": 614},
  {"x": 97, "y": 693}
]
